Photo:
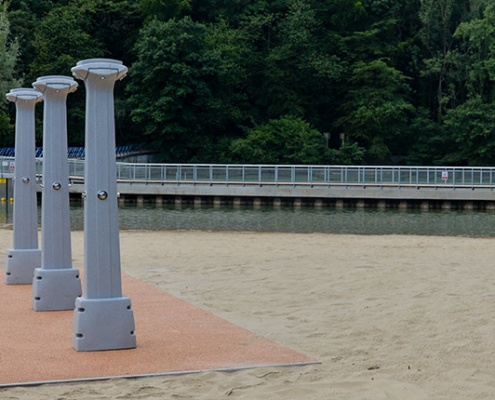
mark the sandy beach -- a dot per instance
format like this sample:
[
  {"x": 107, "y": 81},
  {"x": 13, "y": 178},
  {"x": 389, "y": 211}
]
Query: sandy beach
[{"x": 389, "y": 317}]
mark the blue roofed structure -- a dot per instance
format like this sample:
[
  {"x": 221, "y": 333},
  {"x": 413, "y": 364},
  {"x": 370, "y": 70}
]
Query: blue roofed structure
[{"x": 75, "y": 152}]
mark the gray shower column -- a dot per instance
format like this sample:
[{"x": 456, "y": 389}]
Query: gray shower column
[
  {"x": 56, "y": 284},
  {"x": 25, "y": 256},
  {"x": 103, "y": 318}
]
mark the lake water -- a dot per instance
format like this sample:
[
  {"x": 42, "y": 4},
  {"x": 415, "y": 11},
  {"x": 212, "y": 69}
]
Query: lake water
[{"x": 291, "y": 219}]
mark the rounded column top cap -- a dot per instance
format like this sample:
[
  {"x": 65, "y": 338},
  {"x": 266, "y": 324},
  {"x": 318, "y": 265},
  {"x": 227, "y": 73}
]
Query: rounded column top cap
[
  {"x": 58, "y": 82},
  {"x": 100, "y": 66},
  {"x": 24, "y": 94}
]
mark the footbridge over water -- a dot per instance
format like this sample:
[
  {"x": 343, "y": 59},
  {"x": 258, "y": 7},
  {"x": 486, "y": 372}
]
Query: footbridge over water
[{"x": 380, "y": 186}]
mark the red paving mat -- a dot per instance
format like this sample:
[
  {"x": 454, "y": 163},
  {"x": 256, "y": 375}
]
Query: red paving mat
[{"x": 173, "y": 336}]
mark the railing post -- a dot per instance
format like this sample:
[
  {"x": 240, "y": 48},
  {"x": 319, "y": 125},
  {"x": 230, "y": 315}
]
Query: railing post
[
  {"x": 56, "y": 285},
  {"x": 103, "y": 318},
  {"x": 25, "y": 256}
]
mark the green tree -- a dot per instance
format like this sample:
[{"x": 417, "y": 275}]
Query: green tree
[
  {"x": 433, "y": 145},
  {"x": 79, "y": 30},
  {"x": 397, "y": 78},
  {"x": 443, "y": 71},
  {"x": 286, "y": 140},
  {"x": 83, "y": 29},
  {"x": 299, "y": 67},
  {"x": 373, "y": 100},
  {"x": 235, "y": 11},
  {"x": 351, "y": 154},
  {"x": 9, "y": 51},
  {"x": 24, "y": 16},
  {"x": 62, "y": 39},
  {"x": 175, "y": 89},
  {"x": 164, "y": 9},
  {"x": 237, "y": 55},
  {"x": 472, "y": 126},
  {"x": 478, "y": 52},
  {"x": 470, "y": 123},
  {"x": 376, "y": 110}
]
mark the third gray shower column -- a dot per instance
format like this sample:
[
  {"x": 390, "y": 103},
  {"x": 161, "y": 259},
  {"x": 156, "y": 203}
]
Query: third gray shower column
[{"x": 103, "y": 318}]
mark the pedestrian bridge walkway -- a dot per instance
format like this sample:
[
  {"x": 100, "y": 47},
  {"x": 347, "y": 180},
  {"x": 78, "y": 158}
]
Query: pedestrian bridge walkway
[{"x": 292, "y": 181}]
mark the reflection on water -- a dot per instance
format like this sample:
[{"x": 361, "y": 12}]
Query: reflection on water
[
  {"x": 290, "y": 219},
  {"x": 308, "y": 220}
]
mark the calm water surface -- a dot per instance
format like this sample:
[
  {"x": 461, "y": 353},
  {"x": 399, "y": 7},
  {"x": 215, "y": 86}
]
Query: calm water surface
[{"x": 290, "y": 219}]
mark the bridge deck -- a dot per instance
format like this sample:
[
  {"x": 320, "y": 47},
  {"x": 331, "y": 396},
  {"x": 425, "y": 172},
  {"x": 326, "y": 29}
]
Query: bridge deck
[
  {"x": 331, "y": 191},
  {"x": 291, "y": 181}
]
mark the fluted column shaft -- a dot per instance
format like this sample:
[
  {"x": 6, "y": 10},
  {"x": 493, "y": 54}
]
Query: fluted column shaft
[
  {"x": 56, "y": 284},
  {"x": 102, "y": 300},
  {"x": 25, "y": 255},
  {"x": 55, "y": 210},
  {"x": 101, "y": 224}
]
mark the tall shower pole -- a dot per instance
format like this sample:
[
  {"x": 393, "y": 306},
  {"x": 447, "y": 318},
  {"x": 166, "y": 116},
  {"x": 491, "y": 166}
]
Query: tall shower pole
[
  {"x": 25, "y": 256},
  {"x": 103, "y": 318},
  {"x": 56, "y": 285}
]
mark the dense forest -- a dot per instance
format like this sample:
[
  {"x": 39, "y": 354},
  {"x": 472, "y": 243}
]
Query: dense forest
[{"x": 272, "y": 81}]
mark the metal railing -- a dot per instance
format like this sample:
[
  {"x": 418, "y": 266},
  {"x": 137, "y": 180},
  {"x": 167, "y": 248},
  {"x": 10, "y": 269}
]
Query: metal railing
[{"x": 394, "y": 177}]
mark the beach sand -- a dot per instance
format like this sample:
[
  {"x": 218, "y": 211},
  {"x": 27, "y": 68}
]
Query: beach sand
[{"x": 389, "y": 317}]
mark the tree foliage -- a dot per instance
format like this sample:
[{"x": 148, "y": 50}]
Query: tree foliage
[
  {"x": 376, "y": 110},
  {"x": 9, "y": 52},
  {"x": 286, "y": 140},
  {"x": 175, "y": 88},
  {"x": 284, "y": 81}
]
